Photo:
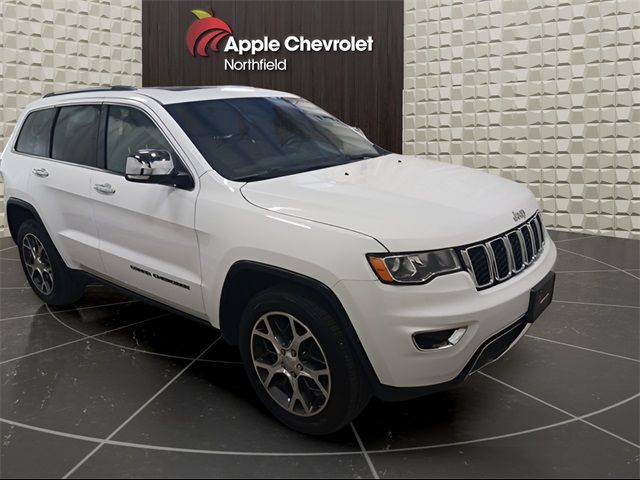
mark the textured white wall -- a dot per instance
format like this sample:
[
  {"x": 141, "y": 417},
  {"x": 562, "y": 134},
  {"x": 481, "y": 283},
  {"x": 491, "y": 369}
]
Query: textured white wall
[
  {"x": 545, "y": 92},
  {"x": 57, "y": 45}
]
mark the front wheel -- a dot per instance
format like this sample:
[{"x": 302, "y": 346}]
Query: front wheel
[{"x": 299, "y": 362}]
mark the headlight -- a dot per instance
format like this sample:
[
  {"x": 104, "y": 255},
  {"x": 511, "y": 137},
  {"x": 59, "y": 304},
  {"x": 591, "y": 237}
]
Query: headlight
[{"x": 419, "y": 267}]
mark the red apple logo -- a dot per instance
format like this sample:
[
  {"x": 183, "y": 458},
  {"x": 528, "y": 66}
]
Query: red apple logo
[{"x": 206, "y": 32}]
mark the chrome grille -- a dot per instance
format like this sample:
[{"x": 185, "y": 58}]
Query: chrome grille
[
  {"x": 516, "y": 251},
  {"x": 498, "y": 248},
  {"x": 478, "y": 259},
  {"x": 498, "y": 259},
  {"x": 527, "y": 236}
]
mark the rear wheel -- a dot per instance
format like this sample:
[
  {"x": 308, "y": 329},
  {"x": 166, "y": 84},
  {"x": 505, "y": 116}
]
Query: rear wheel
[
  {"x": 299, "y": 362},
  {"x": 45, "y": 270}
]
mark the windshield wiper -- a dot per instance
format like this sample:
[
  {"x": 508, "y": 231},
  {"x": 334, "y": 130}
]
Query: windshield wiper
[
  {"x": 261, "y": 175},
  {"x": 281, "y": 171},
  {"x": 361, "y": 156}
]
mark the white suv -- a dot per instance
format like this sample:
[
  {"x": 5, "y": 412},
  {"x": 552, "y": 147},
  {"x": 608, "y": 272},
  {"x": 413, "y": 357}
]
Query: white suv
[{"x": 340, "y": 270}]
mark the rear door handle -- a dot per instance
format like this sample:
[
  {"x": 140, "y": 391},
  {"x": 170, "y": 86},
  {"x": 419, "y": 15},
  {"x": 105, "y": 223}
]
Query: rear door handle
[
  {"x": 40, "y": 172},
  {"x": 105, "y": 188}
]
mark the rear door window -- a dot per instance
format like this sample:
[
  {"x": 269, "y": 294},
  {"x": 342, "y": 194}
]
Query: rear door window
[
  {"x": 35, "y": 134},
  {"x": 75, "y": 135}
]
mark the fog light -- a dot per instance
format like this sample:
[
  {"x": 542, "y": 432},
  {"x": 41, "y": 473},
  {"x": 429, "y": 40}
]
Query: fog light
[{"x": 439, "y": 339}]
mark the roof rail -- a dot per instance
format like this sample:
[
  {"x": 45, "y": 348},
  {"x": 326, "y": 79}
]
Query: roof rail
[{"x": 115, "y": 88}]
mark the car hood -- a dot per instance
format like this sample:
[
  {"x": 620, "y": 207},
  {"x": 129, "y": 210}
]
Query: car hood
[{"x": 406, "y": 203}]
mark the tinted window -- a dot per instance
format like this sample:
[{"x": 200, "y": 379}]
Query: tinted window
[
  {"x": 129, "y": 130},
  {"x": 36, "y": 133},
  {"x": 75, "y": 134},
  {"x": 256, "y": 138}
]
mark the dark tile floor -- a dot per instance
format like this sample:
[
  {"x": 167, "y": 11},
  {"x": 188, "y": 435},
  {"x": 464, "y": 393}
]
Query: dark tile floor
[{"x": 116, "y": 388}]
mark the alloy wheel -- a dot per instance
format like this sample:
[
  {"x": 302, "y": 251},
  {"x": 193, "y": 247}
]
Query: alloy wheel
[
  {"x": 290, "y": 364},
  {"x": 37, "y": 263}
]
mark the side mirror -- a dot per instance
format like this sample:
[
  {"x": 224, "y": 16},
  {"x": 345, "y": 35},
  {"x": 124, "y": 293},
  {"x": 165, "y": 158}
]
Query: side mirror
[{"x": 144, "y": 165}]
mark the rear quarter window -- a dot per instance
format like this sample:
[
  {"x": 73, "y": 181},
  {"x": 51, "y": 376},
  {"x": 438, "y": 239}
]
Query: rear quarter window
[{"x": 35, "y": 133}]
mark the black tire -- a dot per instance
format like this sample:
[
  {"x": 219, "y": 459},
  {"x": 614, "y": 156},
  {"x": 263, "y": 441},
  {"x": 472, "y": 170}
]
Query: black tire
[
  {"x": 349, "y": 391},
  {"x": 66, "y": 286}
]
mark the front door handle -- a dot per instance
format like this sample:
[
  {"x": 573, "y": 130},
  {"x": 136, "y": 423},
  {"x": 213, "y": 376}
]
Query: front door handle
[
  {"x": 105, "y": 188},
  {"x": 40, "y": 172}
]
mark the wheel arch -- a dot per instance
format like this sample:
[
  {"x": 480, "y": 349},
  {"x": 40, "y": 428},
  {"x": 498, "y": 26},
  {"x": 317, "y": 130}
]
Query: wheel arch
[
  {"x": 245, "y": 278},
  {"x": 19, "y": 211}
]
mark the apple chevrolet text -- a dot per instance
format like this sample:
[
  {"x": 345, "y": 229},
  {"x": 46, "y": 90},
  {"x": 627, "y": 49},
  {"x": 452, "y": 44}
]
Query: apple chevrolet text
[
  {"x": 206, "y": 33},
  {"x": 340, "y": 270}
]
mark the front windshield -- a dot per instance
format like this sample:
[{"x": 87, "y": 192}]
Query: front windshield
[{"x": 247, "y": 139}]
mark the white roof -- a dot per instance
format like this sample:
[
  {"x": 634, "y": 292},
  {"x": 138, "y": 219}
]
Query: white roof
[{"x": 166, "y": 95}]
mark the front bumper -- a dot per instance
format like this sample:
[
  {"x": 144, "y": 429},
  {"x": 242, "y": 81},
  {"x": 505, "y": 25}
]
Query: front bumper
[{"x": 385, "y": 317}]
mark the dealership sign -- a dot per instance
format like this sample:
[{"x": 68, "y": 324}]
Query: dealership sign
[{"x": 208, "y": 31}]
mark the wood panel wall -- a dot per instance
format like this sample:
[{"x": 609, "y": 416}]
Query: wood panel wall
[{"x": 363, "y": 89}]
